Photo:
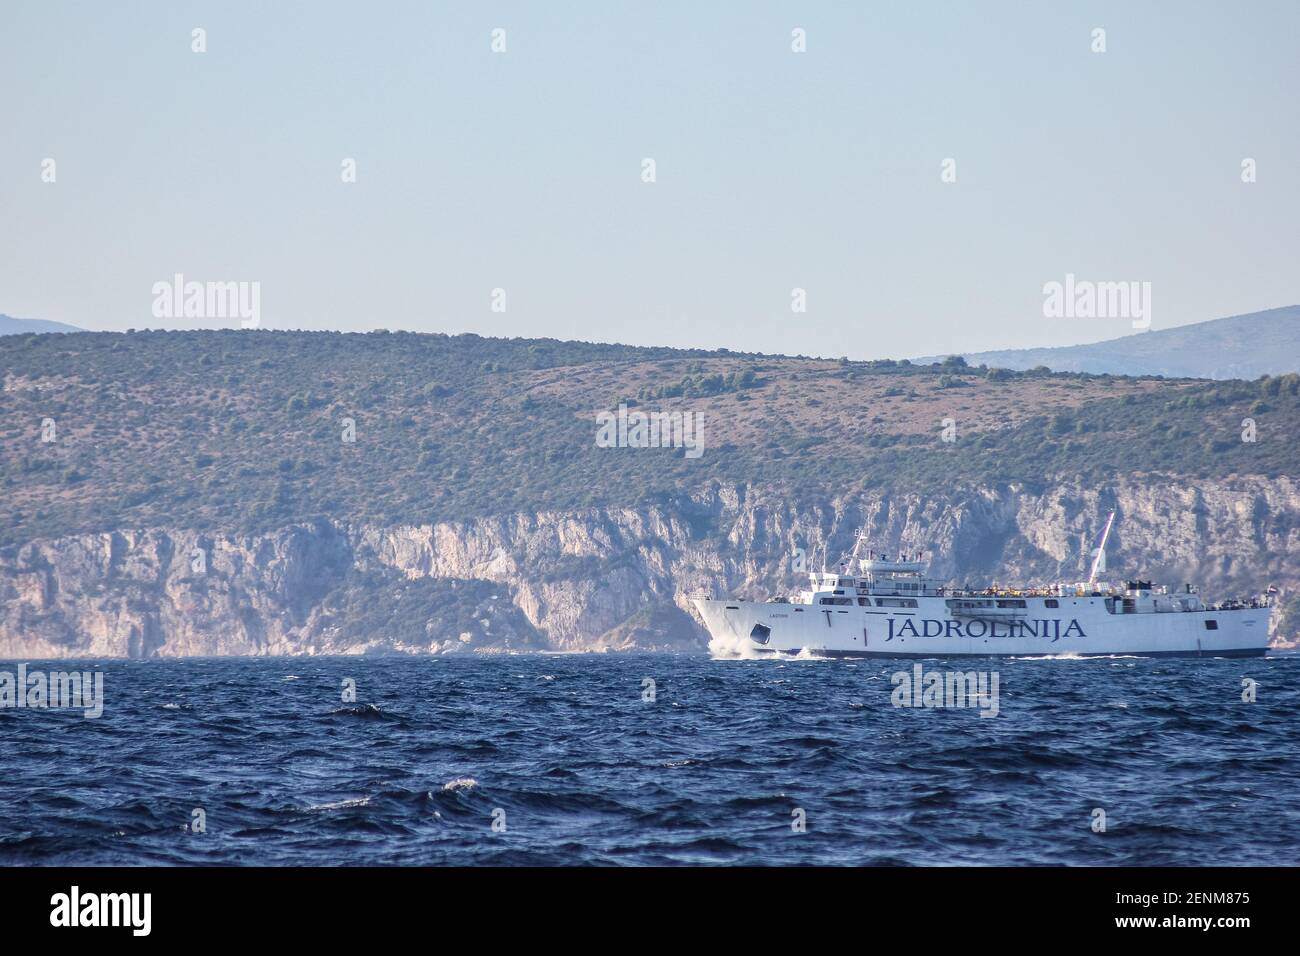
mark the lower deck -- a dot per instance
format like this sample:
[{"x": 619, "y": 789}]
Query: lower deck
[{"x": 929, "y": 655}]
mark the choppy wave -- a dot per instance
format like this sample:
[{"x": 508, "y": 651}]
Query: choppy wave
[{"x": 570, "y": 761}]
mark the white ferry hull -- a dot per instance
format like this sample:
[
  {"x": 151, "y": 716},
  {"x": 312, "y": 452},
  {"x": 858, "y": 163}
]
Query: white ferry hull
[{"x": 1080, "y": 626}]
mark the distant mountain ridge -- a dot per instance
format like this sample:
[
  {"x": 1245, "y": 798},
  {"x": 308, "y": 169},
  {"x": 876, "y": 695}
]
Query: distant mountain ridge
[
  {"x": 1235, "y": 347},
  {"x": 1239, "y": 346},
  {"x": 11, "y": 326}
]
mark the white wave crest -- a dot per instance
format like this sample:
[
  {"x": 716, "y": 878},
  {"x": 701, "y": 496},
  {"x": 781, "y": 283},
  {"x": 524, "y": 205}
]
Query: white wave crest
[
  {"x": 733, "y": 649},
  {"x": 341, "y": 805}
]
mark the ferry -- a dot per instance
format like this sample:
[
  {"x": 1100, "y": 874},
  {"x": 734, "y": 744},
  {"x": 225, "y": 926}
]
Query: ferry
[{"x": 875, "y": 606}]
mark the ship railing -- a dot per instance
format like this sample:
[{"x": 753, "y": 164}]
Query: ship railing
[{"x": 1236, "y": 605}]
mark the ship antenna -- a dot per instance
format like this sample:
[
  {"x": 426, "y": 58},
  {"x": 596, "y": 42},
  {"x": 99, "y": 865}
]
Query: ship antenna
[{"x": 1101, "y": 550}]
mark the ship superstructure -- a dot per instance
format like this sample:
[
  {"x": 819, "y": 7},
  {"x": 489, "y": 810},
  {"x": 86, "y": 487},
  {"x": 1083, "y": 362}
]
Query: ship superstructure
[{"x": 875, "y": 605}]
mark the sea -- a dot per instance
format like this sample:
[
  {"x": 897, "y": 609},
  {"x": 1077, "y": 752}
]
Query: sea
[{"x": 657, "y": 760}]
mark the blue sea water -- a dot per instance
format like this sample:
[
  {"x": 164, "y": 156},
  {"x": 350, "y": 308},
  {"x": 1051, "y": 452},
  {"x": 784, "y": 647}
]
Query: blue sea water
[{"x": 583, "y": 770}]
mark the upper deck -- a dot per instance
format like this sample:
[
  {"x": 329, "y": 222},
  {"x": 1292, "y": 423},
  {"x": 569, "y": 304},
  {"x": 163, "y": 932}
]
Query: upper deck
[{"x": 899, "y": 582}]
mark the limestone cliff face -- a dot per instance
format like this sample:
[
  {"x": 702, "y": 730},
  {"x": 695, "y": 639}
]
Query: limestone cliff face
[{"x": 610, "y": 579}]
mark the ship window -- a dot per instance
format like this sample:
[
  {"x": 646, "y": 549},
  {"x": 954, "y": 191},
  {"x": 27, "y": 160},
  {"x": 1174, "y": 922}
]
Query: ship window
[
  {"x": 761, "y": 633},
  {"x": 1211, "y": 625},
  {"x": 864, "y": 602},
  {"x": 1052, "y": 602},
  {"x": 895, "y": 602},
  {"x": 1010, "y": 603},
  {"x": 837, "y": 592},
  {"x": 836, "y": 600}
]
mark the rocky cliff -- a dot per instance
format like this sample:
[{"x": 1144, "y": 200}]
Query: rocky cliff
[{"x": 604, "y": 579}]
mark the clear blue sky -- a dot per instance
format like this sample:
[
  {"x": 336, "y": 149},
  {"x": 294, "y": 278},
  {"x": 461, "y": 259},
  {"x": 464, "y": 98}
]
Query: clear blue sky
[{"x": 775, "y": 170}]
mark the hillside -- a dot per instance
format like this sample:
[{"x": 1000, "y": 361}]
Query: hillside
[
  {"x": 1239, "y": 346},
  {"x": 242, "y": 430},
  {"x": 474, "y": 509}
]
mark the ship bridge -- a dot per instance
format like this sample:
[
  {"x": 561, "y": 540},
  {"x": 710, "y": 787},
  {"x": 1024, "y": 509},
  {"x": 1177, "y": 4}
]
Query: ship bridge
[{"x": 900, "y": 576}]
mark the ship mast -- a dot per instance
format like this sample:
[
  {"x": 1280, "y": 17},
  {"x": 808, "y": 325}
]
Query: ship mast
[
  {"x": 855, "y": 558},
  {"x": 1101, "y": 550}
]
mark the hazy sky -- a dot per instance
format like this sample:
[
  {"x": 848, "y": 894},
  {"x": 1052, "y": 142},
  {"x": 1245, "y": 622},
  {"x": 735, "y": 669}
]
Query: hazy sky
[{"x": 775, "y": 170}]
